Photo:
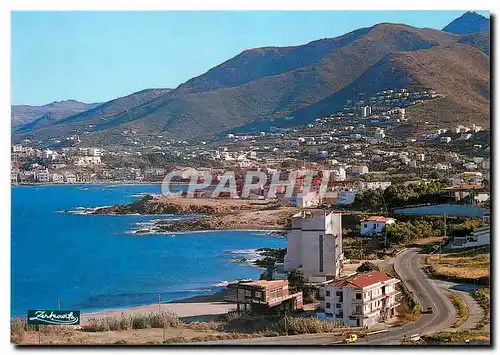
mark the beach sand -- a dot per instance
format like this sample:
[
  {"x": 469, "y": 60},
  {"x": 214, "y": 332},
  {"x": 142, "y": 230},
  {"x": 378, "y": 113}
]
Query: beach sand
[{"x": 198, "y": 308}]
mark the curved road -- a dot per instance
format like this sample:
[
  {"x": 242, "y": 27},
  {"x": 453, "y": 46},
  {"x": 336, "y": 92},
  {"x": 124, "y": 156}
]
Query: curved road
[
  {"x": 427, "y": 293},
  {"x": 408, "y": 267}
]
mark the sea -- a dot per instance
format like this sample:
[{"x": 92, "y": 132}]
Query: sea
[{"x": 61, "y": 254}]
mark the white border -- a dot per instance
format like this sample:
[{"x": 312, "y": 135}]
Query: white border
[{"x": 7, "y": 6}]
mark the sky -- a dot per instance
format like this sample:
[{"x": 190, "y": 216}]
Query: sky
[{"x": 98, "y": 56}]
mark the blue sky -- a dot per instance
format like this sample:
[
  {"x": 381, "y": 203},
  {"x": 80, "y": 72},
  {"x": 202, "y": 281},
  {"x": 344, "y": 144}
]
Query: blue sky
[{"x": 98, "y": 56}]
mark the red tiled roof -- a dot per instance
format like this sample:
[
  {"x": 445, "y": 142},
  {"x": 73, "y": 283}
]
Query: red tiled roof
[
  {"x": 369, "y": 278},
  {"x": 377, "y": 219},
  {"x": 362, "y": 280}
]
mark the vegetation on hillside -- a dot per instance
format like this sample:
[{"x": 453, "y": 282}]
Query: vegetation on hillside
[{"x": 396, "y": 196}]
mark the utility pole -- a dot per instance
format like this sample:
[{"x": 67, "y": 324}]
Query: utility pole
[
  {"x": 441, "y": 242},
  {"x": 159, "y": 306},
  {"x": 58, "y": 304}
]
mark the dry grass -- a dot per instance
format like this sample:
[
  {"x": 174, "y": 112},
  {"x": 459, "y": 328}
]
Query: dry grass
[
  {"x": 461, "y": 308},
  {"x": 470, "y": 264},
  {"x": 427, "y": 241},
  {"x": 482, "y": 296},
  {"x": 148, "y": 329}
]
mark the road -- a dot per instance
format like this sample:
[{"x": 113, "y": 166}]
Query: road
[{"x": 408, "y": 267}]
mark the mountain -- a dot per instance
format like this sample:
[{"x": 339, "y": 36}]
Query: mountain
[
  {"x": 22, "y": 114},
  {"x": 293, "y": 85},
  {"x": 480, "y": 40},
  {"x": 470, "y": 22},
  {"x": 97, "y": 117}
]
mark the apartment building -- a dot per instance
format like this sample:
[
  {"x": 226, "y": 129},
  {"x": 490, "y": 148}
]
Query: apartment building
[
  {"x": 263, "y": 297},
  {"x": 360, "y": 301},
  {"x": 314, "y": 245}
]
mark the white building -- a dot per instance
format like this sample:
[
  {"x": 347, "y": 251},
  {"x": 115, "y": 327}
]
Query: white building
[
  {"x": 365, "y": 111},
  {"x": 70, "y": 178},
  {"x": 17, "y": 148},
  {"x": 314, "y": 245},
  {"x": 338, "y": 174},
  {"x": 479, "y": 237},
  {"x": 307, "y": 200},
  {"x": 88, "y": 160},
  {"x": 95, "y": 152},
  {"x": 57, "y": 177},
  {"x": 14, "y": 177},
  {"x": 42, "y": 176},
  {"x": 375, "y": 225},
  {"x": 360, "y": 301},
  {"x": 373, "y": 185},
  {"x": 359, "y": 169}
]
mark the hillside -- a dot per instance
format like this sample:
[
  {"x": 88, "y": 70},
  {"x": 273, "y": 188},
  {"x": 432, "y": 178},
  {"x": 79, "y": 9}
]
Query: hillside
[
  {"x": 195, "y": 109},
  {"x": 23, "y": 114},
  {"x": 470, "y": 22},
  {"x": 291, "y": 85},
  {"x": 94, "y": 119}
]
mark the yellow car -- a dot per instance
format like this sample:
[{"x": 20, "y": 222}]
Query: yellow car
[{"x": 351, "y": 338}]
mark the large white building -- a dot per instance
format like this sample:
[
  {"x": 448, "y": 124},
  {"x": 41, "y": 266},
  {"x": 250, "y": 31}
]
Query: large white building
[
  {"x": 360, "y": 301},
  {"x": 314, "y": 245}
]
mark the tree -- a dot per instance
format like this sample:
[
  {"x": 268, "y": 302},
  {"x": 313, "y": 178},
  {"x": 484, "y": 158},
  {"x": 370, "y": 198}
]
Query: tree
[
  {"x": 298, "y": 282},
  {"x": 367, "y": 266}
]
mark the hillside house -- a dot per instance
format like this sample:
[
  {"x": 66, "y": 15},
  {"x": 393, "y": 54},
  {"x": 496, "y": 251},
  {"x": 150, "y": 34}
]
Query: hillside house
[{"x": 375, "y": 225}]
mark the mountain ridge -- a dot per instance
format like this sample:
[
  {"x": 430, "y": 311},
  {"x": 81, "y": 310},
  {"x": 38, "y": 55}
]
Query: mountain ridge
[{"x": 265, "y": 85}]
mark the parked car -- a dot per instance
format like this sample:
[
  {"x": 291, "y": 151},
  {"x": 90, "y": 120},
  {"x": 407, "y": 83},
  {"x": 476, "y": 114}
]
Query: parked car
[{"x": 351, "y": 338}]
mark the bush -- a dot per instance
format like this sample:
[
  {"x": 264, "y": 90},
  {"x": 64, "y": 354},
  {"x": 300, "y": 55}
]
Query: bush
[
  {"x": 367, "y": 266},
  {"x": 299, "y": 325},
  {"x": 140, "y": 321},
  {"x": 125, "y": 322},
  {"x": 17, "y": 330}
]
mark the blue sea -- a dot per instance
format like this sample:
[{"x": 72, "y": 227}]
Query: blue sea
[{"x": 93, "y": 263}]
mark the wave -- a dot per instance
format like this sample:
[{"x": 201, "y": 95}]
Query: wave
[
  {"x": 82, "y": 210},
  {"x": 221, "y": 284}
]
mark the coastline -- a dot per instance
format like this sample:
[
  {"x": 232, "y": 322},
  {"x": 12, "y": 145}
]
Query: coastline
[{"x": 195, "y": 308}]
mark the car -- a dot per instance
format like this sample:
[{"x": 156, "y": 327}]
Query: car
[
  {"x": 351, "y": 338},
  {"x": 428, "y": 310}
]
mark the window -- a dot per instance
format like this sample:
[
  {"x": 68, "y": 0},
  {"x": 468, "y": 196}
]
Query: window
[
  {"x": 258, "y": 294},
  {"x": 320, "y": 253},
  {"x": 338, "y": 305},
  {"x": 359, "y": 296},
  {"x": 339, "y": 293},
  {"x": 365, "y": 225},
  {"x": 327, "y": 293},
  {"x": 248, "y": 293},
  {"x": 327, "y": 305}
]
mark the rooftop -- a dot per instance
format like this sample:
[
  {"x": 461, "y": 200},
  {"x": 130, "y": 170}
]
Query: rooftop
[
  {"x": 378, "y": 219},
  {"x": 264, "y": 284},
  {"x": 362, "y": 280}
]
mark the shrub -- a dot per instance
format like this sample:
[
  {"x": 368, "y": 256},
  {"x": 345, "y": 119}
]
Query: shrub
[
  {"x": 140, "y": 321},
  {"x": 367, "y": 266},
  {"x": 299, "y": 325},
  {"x": 125, "y": 322},
  {"x": 17, "y": 330}
]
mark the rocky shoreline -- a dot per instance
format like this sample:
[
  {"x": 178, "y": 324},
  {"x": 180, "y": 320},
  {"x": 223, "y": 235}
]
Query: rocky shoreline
[{"x": 212, "y": 214}]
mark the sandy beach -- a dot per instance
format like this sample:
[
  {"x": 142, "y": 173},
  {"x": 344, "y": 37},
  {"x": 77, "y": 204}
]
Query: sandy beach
[{"x": 198, "y": 308}]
